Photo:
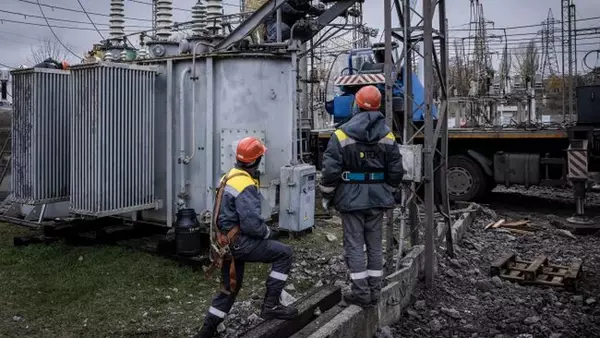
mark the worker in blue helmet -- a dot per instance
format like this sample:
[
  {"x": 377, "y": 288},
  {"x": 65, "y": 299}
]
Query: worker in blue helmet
[{"x": 362, "y": 168}]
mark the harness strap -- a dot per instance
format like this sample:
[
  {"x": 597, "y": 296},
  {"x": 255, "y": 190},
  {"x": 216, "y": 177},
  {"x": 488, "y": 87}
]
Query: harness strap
[
  {"x": 219, "y": 242},
  {"x": 363, "y": 177}
]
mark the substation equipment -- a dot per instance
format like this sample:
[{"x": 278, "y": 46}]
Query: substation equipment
[{"x": 145, "y": 134}]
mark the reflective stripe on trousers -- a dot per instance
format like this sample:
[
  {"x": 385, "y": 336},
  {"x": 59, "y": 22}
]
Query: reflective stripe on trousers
[{"x": 363, "y": 228}]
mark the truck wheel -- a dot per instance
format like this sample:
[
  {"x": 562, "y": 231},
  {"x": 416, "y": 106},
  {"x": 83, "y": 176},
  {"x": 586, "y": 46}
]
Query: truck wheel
[{"x": 466, "y": 180}]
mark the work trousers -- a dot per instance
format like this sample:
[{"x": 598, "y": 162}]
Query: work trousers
[
  {"x": 266, "y": 251},
  {"x": 362, "y": 228}
]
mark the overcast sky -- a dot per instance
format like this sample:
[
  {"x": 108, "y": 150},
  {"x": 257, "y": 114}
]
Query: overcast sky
[{"x": 17, "y": 39}]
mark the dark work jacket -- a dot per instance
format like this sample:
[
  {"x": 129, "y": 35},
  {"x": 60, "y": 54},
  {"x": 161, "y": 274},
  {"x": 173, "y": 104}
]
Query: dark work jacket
[
  {"x": 241, "y": 206},
  {"x": 363, "y": 144}
]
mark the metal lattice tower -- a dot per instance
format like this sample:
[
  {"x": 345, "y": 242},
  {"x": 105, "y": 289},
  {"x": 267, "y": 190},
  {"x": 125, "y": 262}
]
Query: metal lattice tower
[
  {"x": 481, "y": 55},
  {"x": 550, "y": 61},
  {"x": 358, "y": 39},
  {"x": 117, "y": 20},
  {"x": 568, "y": 57},
  {"x": 164, "y": 19},
  {"x": 214, "y": 9},
  {"x": 199, "y": 18}
]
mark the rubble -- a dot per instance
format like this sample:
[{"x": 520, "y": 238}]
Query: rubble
[{"x": 492, "y": 307}]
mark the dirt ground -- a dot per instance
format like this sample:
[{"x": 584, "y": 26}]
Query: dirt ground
[
  {"x": 466, "y": 302},
  {"x": 100, "y": 291}
]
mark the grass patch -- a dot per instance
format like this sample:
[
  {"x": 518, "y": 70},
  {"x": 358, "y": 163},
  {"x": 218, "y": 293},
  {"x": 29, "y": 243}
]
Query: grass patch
[{"x": 100, "y": 291}]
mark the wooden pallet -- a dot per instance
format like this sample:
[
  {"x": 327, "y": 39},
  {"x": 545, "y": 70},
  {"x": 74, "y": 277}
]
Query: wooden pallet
[{"x": 539, "y": 271}]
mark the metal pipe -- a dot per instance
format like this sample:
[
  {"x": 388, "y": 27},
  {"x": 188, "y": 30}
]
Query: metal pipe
[
  {"x": 278, "y": 27},
  {"x": 294, "y": 77},
  {"x": 210, "y": 128},
  {"x": 182, "y": 163},
  {"x": 169, "y": 152},
  {"x": 194, "y": 79}
]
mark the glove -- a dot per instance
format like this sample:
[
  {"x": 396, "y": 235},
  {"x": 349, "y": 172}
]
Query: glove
[{"x": 325, "y": 203}]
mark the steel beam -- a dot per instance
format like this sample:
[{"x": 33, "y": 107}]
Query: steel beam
[
  {"x": 330, "y": 14},
  {"x": 429, "y": 146},
  {"x": 389, "y": 121},
  {"x": 253, "y": 21}
]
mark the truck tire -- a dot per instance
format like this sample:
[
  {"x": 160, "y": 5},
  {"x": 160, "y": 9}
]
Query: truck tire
[{"x": 466, "y": 180}]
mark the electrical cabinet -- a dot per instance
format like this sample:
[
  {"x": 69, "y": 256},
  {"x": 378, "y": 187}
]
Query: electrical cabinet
[{"x": 297, "y": 197}]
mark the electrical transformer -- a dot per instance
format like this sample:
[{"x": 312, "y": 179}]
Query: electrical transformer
[{"x": 297, "y": 197}]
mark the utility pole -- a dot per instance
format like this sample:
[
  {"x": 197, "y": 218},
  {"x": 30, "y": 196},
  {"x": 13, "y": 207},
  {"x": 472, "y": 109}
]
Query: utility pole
[{"x": 389, "y": 121}]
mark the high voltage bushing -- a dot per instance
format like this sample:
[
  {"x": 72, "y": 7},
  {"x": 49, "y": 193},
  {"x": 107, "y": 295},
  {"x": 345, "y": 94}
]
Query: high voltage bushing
[
  {"x": 164, "y": 19},
  {"x": 117, "y": 19},
  {"x": 199, "y": 19},
  {"x": 214, "y": 9}
]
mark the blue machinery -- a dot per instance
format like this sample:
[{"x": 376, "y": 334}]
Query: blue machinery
[{"x": 365, "y": 67}]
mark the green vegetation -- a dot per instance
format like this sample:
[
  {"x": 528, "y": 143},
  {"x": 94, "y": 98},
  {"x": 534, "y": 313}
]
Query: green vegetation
[{"x": 99, "y": 291}]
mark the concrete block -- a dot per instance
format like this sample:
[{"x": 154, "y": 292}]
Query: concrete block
[
  {"x": 352, "y": 322},
  {"x": 401, "y": 284},
  {"x": 324, "y": 298},
  {"x": 316, "y": 324}
]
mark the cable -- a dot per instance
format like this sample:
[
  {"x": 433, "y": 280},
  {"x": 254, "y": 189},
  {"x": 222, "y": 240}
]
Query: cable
[
  {"x": 556, "y": 23},
  {"x": 89, "y": 18},
  {"x": 52, "y": 30},
  {"x": 79, "y": 11},
  {"x": 181, "y": 9},
  {"x": 7, "y": 66},
  {"x": 60, "y": 20},
  {"x": 2, "y": 20}
]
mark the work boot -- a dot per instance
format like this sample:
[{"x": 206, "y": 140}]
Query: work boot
[
  {"x": 272, "y": 308},
  {"x": 374, "y": 298},
  {"x": 351, "y": 298}
]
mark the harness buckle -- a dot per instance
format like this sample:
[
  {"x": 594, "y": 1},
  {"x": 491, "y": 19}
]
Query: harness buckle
[{"x": 345, "y": 177}]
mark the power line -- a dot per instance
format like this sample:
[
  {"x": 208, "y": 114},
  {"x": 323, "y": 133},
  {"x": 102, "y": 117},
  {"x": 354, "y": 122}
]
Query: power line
[
  {"x": 556, "y": 22},
  {"x": 3, "y": 20},
  {"x": 7, "y": 66},
  {"x": 53, "y": 7},
  {"x": 181, "y": 9},
  {"x": 59, "y": 19},
  {"x": 89, "y": 18},
  {"x": 52, "y": 30}
]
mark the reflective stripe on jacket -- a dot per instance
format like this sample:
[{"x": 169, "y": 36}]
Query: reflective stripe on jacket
[
  {"x": 241, "y": 206},
  {"x": 362, "y": 145}
]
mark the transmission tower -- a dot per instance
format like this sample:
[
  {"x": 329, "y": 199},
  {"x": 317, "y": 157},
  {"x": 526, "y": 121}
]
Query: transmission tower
[
  {"x": 569, "y": 59},
  {"x": 482, "y": 63},
  {"x": 550, "y": 61}
]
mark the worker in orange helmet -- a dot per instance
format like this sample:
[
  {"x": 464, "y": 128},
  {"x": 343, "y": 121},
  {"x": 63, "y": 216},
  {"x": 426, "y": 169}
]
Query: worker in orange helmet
[
  {"x": 244, "y": 236},
  {"x": 362, "y": 168}
]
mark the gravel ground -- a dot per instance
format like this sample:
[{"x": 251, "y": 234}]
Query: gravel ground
[{"x": 466, "y": 302}]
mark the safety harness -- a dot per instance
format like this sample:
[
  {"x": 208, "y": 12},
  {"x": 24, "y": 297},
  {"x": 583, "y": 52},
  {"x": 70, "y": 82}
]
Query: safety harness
[
  {"x": 220, "y": 243},
  {"x": 363, "y": 177}
]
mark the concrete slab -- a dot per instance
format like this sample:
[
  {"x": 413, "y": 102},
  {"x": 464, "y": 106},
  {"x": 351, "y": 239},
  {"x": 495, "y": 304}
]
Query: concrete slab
[
  {"x": 352, "y": 322},
  {"x": 324, "y": 298},
  {"x": 316, "y": 324}
]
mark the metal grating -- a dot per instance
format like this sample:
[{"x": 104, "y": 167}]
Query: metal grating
[
  {"x": 40, "y": 136},
  {"x": 113, "y": 139}
]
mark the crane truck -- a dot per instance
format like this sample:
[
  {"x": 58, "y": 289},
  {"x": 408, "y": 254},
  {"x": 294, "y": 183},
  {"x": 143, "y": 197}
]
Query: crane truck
[{"x": 481, "y": 158}]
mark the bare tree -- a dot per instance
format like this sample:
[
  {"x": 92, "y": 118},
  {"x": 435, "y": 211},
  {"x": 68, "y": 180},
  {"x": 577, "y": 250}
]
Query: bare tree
[
  {"x": 527, "y": 61},
  {"x": 48, "y": 48}
]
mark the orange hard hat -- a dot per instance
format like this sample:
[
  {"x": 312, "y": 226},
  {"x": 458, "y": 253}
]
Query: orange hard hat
[
  {"x": 249, "y": 149},
  {"x": 368, "y": 98},
  {"x": 65, "y": 65}
]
